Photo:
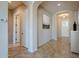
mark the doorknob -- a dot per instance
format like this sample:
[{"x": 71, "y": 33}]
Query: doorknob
[{"x": 22, "y": 33}]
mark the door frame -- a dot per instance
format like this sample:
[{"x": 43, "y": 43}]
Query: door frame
[
  {"x": 15, "y": 29},
  {"x": 71, "y": 18}
]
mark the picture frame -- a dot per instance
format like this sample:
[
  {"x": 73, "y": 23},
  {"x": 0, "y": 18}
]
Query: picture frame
[{"x": 46, "y": 22}]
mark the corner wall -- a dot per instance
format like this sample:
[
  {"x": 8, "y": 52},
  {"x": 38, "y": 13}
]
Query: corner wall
[
  {"x": 10, "y": 26},
  {"x": 3, "y": 29},
  {"x": 44, "y": 35}
]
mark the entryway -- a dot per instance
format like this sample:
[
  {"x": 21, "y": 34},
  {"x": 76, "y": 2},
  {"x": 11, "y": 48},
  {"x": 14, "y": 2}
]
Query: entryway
[
  {"x": 16, "y": 27},
  {"x": 63, "y": 24}
]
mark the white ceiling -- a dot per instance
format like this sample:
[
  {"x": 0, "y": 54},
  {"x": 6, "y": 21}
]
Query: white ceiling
[
  {"x": 14, "y": 4},
  {"x": 65, "y": 5},
  {"x": 50, "y": 6}
]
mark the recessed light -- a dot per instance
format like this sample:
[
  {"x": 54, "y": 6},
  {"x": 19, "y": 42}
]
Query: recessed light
[
  {"x": 58, "y": 4},
  {"x": 65, "y": 14}
]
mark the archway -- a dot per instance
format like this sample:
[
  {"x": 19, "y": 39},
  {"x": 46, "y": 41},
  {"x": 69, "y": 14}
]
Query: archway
[
  {"x": 18, "y": 27},
  {"x": 36, "y": 4},
  {"x": 64, "y": 21}
]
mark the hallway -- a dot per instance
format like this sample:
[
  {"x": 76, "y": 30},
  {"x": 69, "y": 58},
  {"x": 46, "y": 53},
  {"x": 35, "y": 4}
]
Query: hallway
[
  {"x": 34, "y": 26},
  {"x": 52, "y": 49}
]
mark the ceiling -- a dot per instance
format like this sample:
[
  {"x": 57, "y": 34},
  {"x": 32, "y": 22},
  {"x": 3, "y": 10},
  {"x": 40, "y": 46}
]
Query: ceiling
[
  {"x": 65, "y": 5},
  {"x": 14, "y": 4},
  {"x": 50, "y": 6}
]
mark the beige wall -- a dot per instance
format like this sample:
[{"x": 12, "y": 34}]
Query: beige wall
[
  {"x": 44, "y": 35},
  {"x": 78, "y": 19},
  {"x": 10, "y": 26},
  {"x": 71, "y": 18},
  {"x": 21, "y": 11},
  {"x": 78, "y": 15},
  {"x": 59, "y": 24}
]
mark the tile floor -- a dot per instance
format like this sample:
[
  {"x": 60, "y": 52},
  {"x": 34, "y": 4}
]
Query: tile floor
[{"x": 53, "y": 49}]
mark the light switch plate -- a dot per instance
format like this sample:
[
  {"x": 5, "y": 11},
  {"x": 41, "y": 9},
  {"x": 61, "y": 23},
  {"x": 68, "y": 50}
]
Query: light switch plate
[{"x": 3, "y": 20}]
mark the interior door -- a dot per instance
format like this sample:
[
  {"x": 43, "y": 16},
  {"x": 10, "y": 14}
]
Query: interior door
[
  {"x": 65, "y": 28},
  {"x": 18, "y": 28}
]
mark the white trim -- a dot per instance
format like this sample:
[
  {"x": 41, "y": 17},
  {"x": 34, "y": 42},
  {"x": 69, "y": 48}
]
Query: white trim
[{"x": 14, "y": 30}]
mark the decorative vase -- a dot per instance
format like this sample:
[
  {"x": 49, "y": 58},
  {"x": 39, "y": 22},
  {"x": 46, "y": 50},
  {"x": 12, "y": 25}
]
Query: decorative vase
[{"x": 74, "y": 26}]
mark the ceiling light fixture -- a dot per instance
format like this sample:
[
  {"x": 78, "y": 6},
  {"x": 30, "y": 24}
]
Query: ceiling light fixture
[
  {"x": 63, "y": 15},
  {"x": 58, "y": 4}
]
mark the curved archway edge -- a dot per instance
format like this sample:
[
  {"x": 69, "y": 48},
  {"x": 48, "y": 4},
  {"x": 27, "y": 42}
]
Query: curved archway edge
[{"x": 33, "y": 26}]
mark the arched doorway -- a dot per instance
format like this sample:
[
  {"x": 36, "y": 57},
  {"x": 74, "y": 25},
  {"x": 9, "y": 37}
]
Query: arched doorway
[
  {"x": 18, "y": 27},
  {"x": 35, "y": 20},
  {"x": 64, "y": 23}
]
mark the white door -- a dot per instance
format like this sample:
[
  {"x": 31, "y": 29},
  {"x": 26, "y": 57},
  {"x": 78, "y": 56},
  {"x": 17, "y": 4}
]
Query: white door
[
  {"x": 65, "y": 28},
  {"x": 18, "y": 29}
]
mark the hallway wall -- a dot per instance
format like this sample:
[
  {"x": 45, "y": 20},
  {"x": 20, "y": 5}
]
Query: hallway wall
[
  {"x": 44, "y": 35},
  {"x": 73, "y": 17},
  {"x": 21, "y": 11},
  {"x": 54, "y": 28},
  {"x": 78, "y": 19},
  {"x": 63, "y": 28},
  {"x": 10, "y": 26},
  {"x": 78, "y": 15}
]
